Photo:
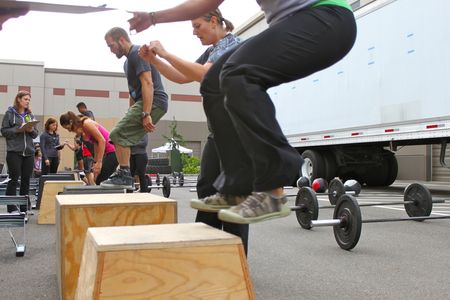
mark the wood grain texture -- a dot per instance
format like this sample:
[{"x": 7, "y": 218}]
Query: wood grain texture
[
  {"x": 164, "y": 262},
  {"x": 51, "y": 189},
  {"x": 76, "y": 213}
]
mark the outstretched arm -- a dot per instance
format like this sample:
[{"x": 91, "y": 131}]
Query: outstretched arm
[
  {"x": 178, "y": 70},
  {"x": 187, "y": 10},
  {"x": 8, "y": 13}
]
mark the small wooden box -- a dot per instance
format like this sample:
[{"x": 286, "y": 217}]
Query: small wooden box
[
  {"x": 76, "y": 213},
  {"x": 176, "y": 261},
  {"x": 49, "y": 192}
]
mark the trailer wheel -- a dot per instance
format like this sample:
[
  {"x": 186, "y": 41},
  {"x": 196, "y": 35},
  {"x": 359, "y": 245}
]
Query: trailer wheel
[
  {"x": 330, "y": 165},
  {"x": 392, "y": 165},
  {"x": 313, "y": 165},
  {"x": 383, "y": 174}
]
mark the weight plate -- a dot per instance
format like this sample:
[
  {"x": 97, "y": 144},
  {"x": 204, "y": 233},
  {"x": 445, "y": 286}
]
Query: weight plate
[
  {"x": 166, "y": 187},
  {"x": 348, "y": 232},
  {"x": 306, "y": 197},
  {"x": 335, "y": 190},
  {"x": 181, "y": 179},
  {"x": 158, "y": 179},
  {"x": 422, "y": 203}
]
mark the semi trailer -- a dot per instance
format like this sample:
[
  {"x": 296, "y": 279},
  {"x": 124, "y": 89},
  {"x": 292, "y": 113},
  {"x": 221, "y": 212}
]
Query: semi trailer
[{"x": 391, "y": 90}]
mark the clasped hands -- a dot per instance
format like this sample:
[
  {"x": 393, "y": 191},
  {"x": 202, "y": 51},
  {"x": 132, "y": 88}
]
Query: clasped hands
[{"x": 152, "y": 50}]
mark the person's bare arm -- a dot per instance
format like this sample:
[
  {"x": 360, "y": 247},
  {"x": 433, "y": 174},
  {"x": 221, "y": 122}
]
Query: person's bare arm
[
  {"x": 164, "y": 68},
  {"x": 187, "y": 10},
  {"x": 71, "y": 147},
  {"x": 8, "y": 13},
  {"x": 147, "y": 99},
  {"x": 192, "y": 71},
  {"x": 100, "y": 143}
]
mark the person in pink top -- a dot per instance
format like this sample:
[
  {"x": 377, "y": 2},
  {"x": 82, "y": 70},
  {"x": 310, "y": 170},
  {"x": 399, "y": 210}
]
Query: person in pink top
[{"x": 105, "y": 160}]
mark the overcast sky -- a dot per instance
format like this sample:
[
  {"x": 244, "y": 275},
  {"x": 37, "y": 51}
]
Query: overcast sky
[{"x": 72, "y": 41}]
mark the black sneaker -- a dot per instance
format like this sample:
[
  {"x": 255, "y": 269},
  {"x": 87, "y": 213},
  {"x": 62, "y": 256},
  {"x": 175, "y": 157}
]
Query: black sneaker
[{"x": 121, "y": 178}]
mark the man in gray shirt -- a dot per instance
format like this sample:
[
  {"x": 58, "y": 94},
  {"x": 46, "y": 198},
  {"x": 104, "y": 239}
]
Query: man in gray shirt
[{"x": 82, "y": 108}]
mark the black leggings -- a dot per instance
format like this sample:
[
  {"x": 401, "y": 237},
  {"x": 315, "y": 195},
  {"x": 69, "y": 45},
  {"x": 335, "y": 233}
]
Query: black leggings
[
  {"x": 18, "y": 166},
  {"x": 253, "y": 150},
  {"x": 138, "y": 165},
  {"x": 109, "y": 165},
  {"x": 52, "y": 168},
  {"x": 209, "y": 171}
]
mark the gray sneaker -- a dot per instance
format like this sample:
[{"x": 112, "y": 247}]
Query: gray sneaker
[
  {"x": 121, "y": 178},
  {"x": 256, "y": 208},
  {"x": 216, "y": 202}
]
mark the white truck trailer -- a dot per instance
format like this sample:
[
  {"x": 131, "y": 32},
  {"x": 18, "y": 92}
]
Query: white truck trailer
[{"x": 391, "y": 90}]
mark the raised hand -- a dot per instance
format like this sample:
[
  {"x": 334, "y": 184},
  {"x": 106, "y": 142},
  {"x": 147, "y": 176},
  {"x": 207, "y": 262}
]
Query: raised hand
[{"x": 140, "y": 21}]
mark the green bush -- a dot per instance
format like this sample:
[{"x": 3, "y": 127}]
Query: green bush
[{"x": 191, "y": 164}]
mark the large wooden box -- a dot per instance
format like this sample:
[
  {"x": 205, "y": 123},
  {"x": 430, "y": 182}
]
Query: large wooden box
[
  {"x": 76, "y": 213},
  {"x": 177, "y": 261},
  {"x": 48, "y": 199}
]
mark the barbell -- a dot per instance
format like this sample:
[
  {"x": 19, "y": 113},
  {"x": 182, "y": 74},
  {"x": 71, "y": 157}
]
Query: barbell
[
  {"x": 179, "y": 176},
  {"x": 164, "y": 185},
  {"x": 347, "y": 221}
]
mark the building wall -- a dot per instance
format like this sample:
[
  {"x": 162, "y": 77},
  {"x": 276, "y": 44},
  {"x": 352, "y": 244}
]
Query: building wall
[{"x": 56, "y": 91}]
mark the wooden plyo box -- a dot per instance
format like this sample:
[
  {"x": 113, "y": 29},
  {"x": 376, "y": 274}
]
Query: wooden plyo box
[
  {"x": 76, "y": 213},
  {"x": 49, "y": 192},
  {"x": 176, "y": 261}
]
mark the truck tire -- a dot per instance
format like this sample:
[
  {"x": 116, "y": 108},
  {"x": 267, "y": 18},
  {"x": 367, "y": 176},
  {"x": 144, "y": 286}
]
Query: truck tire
[
  {"x": 383, "y": 174},
  {"x": 313, "y": 165},
  {"x": 376, "y": 175},
  {"x": 392, "y": 166},
  {"x": 330, "y": 164}
]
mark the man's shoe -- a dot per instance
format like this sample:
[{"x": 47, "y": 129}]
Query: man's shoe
[
  {"x": 256, "y": 208},
  {"x": 216, "y": 202},
  {"x": 121, "y": 178}
]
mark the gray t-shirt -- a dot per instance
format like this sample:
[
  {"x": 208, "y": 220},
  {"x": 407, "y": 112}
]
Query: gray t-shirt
[
  {"x": 88, "y": 114},
  {"x": 276, "y": 10},
  {"x": 133, "y": 67}
]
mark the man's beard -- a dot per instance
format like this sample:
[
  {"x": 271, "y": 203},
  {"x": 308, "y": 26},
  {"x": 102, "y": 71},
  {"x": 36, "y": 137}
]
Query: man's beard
[{"x": 121, "y": 52}]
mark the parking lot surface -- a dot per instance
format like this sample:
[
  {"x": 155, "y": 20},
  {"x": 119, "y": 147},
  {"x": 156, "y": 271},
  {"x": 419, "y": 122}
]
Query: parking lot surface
[{"x": 400, "y": 260}]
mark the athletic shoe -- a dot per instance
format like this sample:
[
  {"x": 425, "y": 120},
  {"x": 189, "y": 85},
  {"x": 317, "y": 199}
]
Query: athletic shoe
[
  {"x": 256, "y": 208},
  {"x": 216, "y": 202},
  {"x": 121, "y": 178}
]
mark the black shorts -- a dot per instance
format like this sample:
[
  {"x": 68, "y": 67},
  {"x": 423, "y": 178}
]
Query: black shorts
[
  {"x": 88, "y": 162},
  {"x": 79, "y": 155}
]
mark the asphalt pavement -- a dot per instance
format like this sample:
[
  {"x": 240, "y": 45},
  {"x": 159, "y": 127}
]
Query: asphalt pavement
[{"x": 400, "y": 260}]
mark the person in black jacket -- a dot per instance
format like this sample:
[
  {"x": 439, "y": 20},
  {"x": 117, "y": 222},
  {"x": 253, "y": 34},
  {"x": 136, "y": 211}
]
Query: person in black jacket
[
  {"x": 19, "y": 133},
  {"x": 50, "y": 147}
]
